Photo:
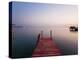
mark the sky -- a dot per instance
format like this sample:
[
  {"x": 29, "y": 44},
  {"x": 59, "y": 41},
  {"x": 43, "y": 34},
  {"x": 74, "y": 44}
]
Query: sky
[{"x": 39, "y": 14}]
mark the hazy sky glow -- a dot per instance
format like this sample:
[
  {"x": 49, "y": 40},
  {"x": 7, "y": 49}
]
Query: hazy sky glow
[{"x": 43, "y": 14}]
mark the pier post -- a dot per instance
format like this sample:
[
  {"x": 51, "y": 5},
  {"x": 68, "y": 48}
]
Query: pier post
[
  {"x": 41, "y": 33},
  {"x": 51, "y": 34}
]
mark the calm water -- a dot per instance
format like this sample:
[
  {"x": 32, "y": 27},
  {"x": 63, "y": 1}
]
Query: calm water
[{"x": 25, "y": 38}]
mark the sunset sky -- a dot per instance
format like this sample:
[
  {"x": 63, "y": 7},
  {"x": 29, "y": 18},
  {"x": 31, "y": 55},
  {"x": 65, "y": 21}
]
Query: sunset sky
[{"x": 39, "y": 14}]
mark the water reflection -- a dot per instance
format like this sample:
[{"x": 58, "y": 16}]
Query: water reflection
[{"x": 25, "y": 40}]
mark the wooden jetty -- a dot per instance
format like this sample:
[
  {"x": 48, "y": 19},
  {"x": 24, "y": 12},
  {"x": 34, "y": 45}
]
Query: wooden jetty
[{"x": 45, "y": 46}]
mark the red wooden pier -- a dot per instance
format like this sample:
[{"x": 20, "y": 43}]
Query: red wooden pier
[{"x": 45, "y": 46}]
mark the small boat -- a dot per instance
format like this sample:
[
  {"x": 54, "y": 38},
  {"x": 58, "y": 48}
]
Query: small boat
[
  {"x": 73, "y": 28},
  {"x": 16, "y": 26}
]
